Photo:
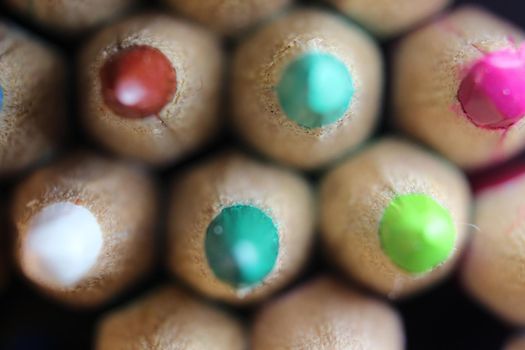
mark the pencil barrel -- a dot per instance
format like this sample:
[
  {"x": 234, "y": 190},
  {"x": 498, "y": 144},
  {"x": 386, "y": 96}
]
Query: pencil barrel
[
  {"x": 324, "y": 315},
  {"x": 166, "y": 318},
  {"x": 429, "y": 67},
  {"x": 187, "y": 121},
  {"x": 201, "y": 196},
  {"x": 70, "y": 17},
  {"x": 261, "y": 62},
  {"x": 516, "y": 343},
  {"x": 32, "y": 100},
  {"x": 493, "y": 270},
  {"x": 122, "y": 200},
  {"x": 355, "y": 198},
  {"x": 228, "y": 17},
  {"x": 386, "y": 18}
]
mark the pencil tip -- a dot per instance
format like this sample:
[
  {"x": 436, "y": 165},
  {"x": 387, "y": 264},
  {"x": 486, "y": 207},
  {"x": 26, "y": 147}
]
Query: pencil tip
[
  {"x": 492, "y": 94},
  {"x": 138, "y": 82},
  {"x": 242, "y": 245},
  {"x": 315, "y": 90},
  {"x": 62, "y": 244},
  {"x": 417, "y": 233}
]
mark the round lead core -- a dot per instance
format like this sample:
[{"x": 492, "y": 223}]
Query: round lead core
[
  {"x": 137, "y": 82},
  {"x": 492, "y": 94},
  {"x": 417, "y": 233},
  {"x": 242, "y": 244},
  {"x": 315, "y": 90}
]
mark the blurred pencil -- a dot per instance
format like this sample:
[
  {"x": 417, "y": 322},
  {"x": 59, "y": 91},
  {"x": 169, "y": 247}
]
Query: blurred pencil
[
  {"x": 493, "y": 268},
  {"x": 323, "y": 315},
  {"x": 32, "y": 99},
  {"x": 70, "y": 17},
  {"x": 150, "y": 87},
  {"x": 306, "y": 88},
  {"x": 228, "y": 17},
  {"x": 239, "y": 229},
  {"x": 395, "y": 217},
  {"x": 516, "y": 343},
  {"x": 169, "y": 318},
  {"x": 458, "y": 86},
  {"x": 84, "y": 228},
  {"x": 387, "y": 18}
]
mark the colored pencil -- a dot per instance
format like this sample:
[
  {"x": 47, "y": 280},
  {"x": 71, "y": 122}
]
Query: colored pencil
[
  {"x": 84, "y": 228},
  {"x": 324, "y": 315},
  {"x": 306, "y": 88},
  {"x": 516, "y": 343},
  {"x": 395, "y": 217},
  {"x": 458, "y": 87},
  {"x": 32, "y": 99},
  {"x": 150, "y": 87},
  {"x": 493, "y": 268},
  {"x": 169, "y": 318},
  {"x": 239, "y": 229},
  {"x": 387, "y": 18},
  {"x": 70, "y": 17},
  {"x": 228, "y": 17}
]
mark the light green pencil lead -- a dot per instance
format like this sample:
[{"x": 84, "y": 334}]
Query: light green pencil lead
[{"x": 417, "y": 233}]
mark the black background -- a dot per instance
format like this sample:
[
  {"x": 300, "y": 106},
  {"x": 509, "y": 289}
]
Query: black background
[{"x": 443, "y": 318}]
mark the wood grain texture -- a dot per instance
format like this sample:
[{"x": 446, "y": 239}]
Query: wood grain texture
[
  {"x": 494, "y": 268},
  {"x": 228, "y": 17},
  {"x": 201, "y": 193},
  {"x": 70, "y": 16},
  {"x": 355, "y": 194},
  {"x": 122, "y": 198},
  {"x": 169, "y": 319},
  {"x": 188, "y": 121},
  {"x": 258, "y": 65},
  {"x": 32, "y": 115},
  {"x": 324, "y": 315},
  {"x": 428, "y": 67},
  {"x": 388, "y": 18}
]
